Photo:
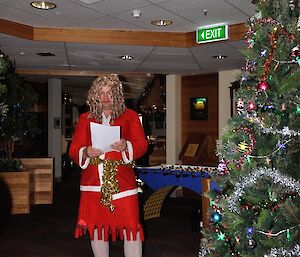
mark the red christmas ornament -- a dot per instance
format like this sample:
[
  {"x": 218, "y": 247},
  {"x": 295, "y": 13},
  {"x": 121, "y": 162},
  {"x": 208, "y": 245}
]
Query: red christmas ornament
[
  {"x": 263, "y": 85},
  {"x": 251, "y": 106},
  {"x": 295, "y": 52}
]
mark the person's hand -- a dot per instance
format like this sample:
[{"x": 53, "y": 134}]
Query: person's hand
[
  {"x": 119, "y": 145},
  {"x": 92, "y": 152}
]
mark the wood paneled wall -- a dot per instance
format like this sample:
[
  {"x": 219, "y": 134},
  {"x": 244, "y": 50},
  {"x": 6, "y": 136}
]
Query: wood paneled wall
[{"x": 200, "y": 86}]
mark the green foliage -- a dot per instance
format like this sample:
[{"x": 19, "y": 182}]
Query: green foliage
[
  {"x": 10, "y": 165},
  {"x": 17, "y": 100},
  {"x": 268, "y": 207}
]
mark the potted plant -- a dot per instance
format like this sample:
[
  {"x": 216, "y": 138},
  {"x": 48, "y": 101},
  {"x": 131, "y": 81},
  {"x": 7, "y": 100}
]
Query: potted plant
[
  {"x": 17, "y": 122},
  {"x": 17, "y": 118}
]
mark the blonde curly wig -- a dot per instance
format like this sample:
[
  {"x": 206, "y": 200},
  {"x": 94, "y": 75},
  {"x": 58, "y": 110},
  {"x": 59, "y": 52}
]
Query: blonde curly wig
[{"x": 93, "y": 98}]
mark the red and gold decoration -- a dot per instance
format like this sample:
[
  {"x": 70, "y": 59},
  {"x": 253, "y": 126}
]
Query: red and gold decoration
[{"x": 110, "y": 182}]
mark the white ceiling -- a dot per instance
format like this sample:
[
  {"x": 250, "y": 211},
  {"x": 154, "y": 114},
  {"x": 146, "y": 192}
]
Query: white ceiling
[{"x": 186, "y": 15}]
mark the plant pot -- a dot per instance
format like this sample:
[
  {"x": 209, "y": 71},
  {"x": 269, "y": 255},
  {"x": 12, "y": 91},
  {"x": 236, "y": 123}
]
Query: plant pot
[{"x": 15, "y": 192}]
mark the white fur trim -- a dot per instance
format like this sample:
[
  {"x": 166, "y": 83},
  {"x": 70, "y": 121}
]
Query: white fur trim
[
  {"x": 130, "y": 153},
  {"x": 115, "y": 196},
  {"x": 87, "y": 160},
  {"x": 90, "y": 188},
  {"x": 125, "y": 193},
  {"x": 100, "y": 172}
]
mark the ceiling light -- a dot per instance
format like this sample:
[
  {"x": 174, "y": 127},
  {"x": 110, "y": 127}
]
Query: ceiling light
[
  {"x": 46, "y": 54},
  {"x": 43, "y": 5},
  {"x": 161, "y": 22},
  {"x": 136, "y": 13},
  {"x": 220, "y": 56},
  {"x": 126, "y": 57}
]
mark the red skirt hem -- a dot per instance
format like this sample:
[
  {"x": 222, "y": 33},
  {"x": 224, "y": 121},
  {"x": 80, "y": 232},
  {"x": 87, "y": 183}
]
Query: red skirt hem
[{"x": 116, "y": 232}]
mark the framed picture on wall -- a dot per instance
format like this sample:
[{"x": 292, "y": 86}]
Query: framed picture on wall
[{"x": 199, "y": 108}]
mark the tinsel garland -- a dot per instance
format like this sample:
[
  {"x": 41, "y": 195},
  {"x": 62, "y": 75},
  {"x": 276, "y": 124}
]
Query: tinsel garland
[
  {"x": 189, "y": 168},
  {"x": 251, "y": 180},
  {"x": 284, "y": 132},
  {"x": 110, "y": 184},
  {"x": 281, "y": 252},
  {"x": 204, "y": 250},
  {"x": 275, "y": 252}
]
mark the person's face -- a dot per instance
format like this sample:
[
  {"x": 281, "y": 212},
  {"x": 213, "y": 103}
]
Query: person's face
[{"x": 106, "y": 97}]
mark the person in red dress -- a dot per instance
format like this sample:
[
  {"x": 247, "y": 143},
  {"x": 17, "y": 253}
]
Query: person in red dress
[{"x": 108, "y": 205}]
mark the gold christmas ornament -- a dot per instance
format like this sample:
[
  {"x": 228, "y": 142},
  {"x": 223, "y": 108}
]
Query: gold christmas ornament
[{"x": 243, "y": 146}]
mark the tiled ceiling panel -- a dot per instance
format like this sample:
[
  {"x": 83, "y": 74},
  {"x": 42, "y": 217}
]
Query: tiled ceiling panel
[
  {"x": 245, "y": 6},
  {"x": 66, "y": 12},
  {"x": 106, "y": 22},
  {"x": 13, "y": 14},
  {"x": 114, "y": 6},
  {"x": 170, "y": 59},
  {"x": 106, "y": 57},
  {"x": 154, "y": 12},
  {"x": 24, "y": 53},
  {"x": 205, "y": 53},
  {"x": 193, "y": 11}
]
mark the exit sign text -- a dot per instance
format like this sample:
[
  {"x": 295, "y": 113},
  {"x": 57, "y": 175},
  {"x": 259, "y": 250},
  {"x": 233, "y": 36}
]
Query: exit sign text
[{"x": 211, "y": 34}]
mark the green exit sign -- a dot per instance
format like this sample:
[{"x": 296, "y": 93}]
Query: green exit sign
[{"x": 211, "y": 34}]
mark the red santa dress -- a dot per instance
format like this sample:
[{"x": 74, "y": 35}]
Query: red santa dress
[{"x": 92, "y": 214}]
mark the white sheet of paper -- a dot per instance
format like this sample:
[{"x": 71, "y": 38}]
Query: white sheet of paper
[{"x": 103, "y": 136}]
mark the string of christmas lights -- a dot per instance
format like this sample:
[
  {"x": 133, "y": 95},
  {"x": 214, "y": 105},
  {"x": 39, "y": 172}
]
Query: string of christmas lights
[
  {"x": 269, "y": 234},
  {"x": 281, "y": 146}
]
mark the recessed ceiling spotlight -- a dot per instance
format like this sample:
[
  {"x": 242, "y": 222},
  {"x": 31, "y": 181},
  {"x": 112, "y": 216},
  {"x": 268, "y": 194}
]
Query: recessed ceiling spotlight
[
  {"x": 136, "y": 13},
  {"x": 46, "y": 54},
  {"x": 220, "y": 56},
  {"x": 43, "y": 5},
  {"x": 126, "y": 57},
  {"x": 161, "y": 22}
]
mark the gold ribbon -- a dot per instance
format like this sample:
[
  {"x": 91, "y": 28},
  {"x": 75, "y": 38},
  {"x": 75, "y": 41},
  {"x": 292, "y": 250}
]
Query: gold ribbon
[{"x": 110, "y": 184}]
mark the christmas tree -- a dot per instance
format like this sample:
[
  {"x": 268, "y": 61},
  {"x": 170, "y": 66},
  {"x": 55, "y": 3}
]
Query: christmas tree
[{"x": 257, "y": 211}]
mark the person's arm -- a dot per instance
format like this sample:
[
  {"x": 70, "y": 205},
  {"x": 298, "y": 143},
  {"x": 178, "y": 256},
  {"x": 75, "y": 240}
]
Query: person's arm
[
  {"x": 80, "y": 140},
  {"x": 136, "y": 142},
  {"x": 81, "y": 150}
]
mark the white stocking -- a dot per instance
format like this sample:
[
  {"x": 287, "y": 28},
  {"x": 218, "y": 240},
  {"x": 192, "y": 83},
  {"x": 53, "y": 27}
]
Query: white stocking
[
  {"x": 133, "y": 248},
  {"x": 100, "y": 247}
]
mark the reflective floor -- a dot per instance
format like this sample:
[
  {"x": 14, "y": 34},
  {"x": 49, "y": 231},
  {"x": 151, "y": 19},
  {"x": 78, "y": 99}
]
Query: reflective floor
[{"x": 48, "y": 230}]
